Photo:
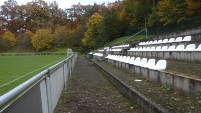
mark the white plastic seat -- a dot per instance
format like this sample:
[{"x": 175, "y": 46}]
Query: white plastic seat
[
  {"x": 144, "y": 49},
  {"x": 150, "y": 62},
  {"x": 160, "y": 41},
  {"x": 121, "y": 59},
  {"x": 171, "y": 48},
  {"x": 160, "y": 65},
  {"x": 165, "y": 40},
  {"x": 164, "y": 48},
  {"x": 178, "y": 39},
  {"x": 152, "y": 48},
  {"x": 127, "y": 59},
  {"x": 190, "y": 47},
  {"x": 155, "y": 42},
  {"x": 142, "y": 61},
  {"x": 131, "y": 49},
  {"x": 137, "y": 60},
  {"x": 147, "y": 43},
  {"x": 171, "y": 40},
  {"x": 158, "y": 48},
  {"x": 148, "y": 49},
  {"x": 130, "y": 60},
  {"x": 150, "y": 42},
  {"x": 180, "y": 48},
  {"x": 187, "y": 38},
  {"x": 139, "y": 49},
  {"x": 198, "y": 48}
]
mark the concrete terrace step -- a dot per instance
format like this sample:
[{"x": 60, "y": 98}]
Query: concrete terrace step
[
  {"x": 88, "y": 91},
  {"x": 170, "y": 100}
]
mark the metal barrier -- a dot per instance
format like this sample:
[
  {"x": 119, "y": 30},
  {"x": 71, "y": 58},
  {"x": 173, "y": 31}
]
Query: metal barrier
[{"x": 41, "y": 93}]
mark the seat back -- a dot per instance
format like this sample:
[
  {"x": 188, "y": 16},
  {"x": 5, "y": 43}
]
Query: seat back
[
  {"x": 165, "y": 40},
  {"x": 155, "y": 42},
  {"x": 150, "y": 62},
  {"x": 171, "y": 40},
  {"x": 164, "y": 48},
  {"x": 178, "y": 39},
  {"x": 190, "y": 47},
  {"x": 198, "y": 48},
  {"x": 142, "y": 61},
  {"x": 171, "y": 48},
  {"x": 161, "y": 64},
  {"x": 187, "y": 38},
  {"x": 152, "y": 48},
  {"x": 158, "y": 48},
  {"x": 179, "y": 48},
  {"x": 160, "y": 41}
]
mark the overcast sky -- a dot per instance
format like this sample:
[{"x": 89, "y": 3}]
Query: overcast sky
[{"x": 65, "y": 3}]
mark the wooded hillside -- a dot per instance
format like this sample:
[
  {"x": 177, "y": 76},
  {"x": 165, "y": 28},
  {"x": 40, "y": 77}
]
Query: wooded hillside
[{"x": 44, "y": 25}]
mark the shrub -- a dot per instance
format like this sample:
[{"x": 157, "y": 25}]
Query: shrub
[
  {"x": 42, "y": 39},
  {"x": 8, "y": 39}
]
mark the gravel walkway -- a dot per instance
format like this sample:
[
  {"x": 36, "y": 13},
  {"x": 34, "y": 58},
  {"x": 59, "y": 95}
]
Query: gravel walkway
[{"x": 90, "y": 92}]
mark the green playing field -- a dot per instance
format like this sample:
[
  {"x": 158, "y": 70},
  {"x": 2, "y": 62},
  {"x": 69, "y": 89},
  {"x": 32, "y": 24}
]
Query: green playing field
[{"x": 15, "y": 70}]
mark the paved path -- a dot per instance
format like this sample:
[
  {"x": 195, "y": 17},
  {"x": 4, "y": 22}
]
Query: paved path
[{"x": 90, "y": 92}]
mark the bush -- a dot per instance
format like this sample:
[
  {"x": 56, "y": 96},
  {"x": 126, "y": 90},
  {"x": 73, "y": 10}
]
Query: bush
[
  {"x": 27, "y": 38},
  {"x": 8, "y": 40},
  {"x": 42, "y": 39}
]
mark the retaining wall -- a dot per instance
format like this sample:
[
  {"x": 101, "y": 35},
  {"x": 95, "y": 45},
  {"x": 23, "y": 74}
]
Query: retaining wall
[{"x": 133, "y": 95}]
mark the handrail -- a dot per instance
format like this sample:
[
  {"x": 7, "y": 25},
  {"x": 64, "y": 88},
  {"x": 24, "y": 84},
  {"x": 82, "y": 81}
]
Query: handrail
[
  {"x": 134, "y": 35},
  {"x": 126, "y": 38},
  {"x": 7, "y": 97}
]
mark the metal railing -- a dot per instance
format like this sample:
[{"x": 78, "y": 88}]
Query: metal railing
[{"x": 41, "y": 93}]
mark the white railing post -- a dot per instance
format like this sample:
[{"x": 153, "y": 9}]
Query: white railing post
[{"x": 49, "y": 96}]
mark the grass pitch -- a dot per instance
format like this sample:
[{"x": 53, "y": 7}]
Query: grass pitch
[{"x": 15, "y": 70}]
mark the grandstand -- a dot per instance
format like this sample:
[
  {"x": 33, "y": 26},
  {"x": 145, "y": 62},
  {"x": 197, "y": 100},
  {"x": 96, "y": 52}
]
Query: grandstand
[{"x": 149, "y": 58}]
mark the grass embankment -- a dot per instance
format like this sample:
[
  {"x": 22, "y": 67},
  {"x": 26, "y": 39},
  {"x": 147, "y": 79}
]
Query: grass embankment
[
  {"x": 15, "y": 70},
  {"x": 127, "y": 39}
]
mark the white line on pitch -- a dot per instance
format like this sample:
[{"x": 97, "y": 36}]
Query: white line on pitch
[{"x": 28, "y": 74}]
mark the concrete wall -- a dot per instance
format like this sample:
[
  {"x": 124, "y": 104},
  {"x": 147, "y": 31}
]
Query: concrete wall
[
  {"x": 134, "y": 96},
  {"x": 186, "y": 85}
]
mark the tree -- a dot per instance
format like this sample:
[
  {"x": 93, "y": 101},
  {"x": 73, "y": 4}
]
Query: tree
[
  {"x": 42, "y": 39},
  {"x": 171, "y": 11},
  {"x": 9, "y": 16},
  {"x": 8, "y": 39},
  {"x": 112, "y": 26},
  {"x": 63, "y": 34},
  {"x": 93, "y": 27},
  {"x": 27, "y": 38}
]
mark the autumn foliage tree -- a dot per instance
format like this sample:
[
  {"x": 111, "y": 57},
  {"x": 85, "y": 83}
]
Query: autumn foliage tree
[
  {"x": 62, "y": 34},
  {"x": 8, "y": 39},
  {"x": 42, "y": 39},
  {"x": 27, "y": 38},
  {"x": 93, "y": 28}
]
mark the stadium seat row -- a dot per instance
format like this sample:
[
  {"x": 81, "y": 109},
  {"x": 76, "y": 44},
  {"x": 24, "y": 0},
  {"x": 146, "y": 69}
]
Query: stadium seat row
[
  {"x": 121, "y": 46},
  {"x": 190, "y": 47},
  {"x": 142, "y": 62},
  {"x": 171, "y": 40}
]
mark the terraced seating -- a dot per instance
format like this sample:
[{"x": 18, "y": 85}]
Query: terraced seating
[
  {"x": 99, "y": 56},
  {"x": 121, "y": 61},
  {"x": 160, "y": 65},
  {"x": 171, "y": 40}
]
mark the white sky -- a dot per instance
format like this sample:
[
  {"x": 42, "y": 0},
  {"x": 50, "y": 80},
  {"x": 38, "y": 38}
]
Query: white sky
[{"x": 65, "y": 3}]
